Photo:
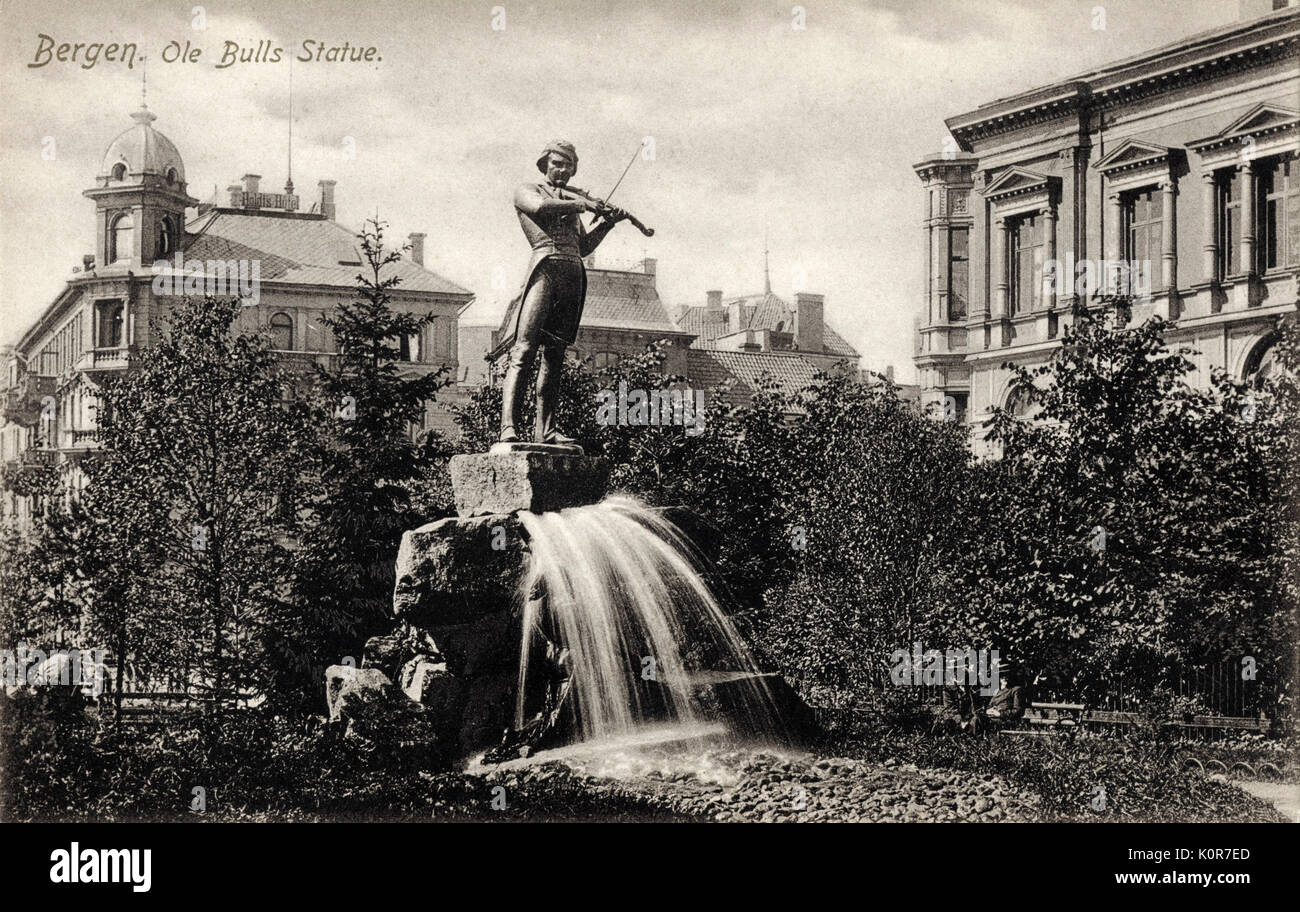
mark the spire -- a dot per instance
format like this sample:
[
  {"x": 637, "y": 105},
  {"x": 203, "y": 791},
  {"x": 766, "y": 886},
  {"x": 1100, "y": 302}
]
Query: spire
[
  {"x": 767, "y": 277},
  {"x": 144, "y": 115},
  {"x": 288, "y": 184}
]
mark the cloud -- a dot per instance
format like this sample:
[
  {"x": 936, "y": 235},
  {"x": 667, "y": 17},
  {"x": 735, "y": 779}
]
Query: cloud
[{"x": 808, "y": 133}]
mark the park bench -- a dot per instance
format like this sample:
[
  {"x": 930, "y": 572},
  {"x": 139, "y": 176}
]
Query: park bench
[{"x": 1055, "y": 715}]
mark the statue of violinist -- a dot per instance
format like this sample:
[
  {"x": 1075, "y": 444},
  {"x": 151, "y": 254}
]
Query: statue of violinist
[{"x": 545, "y": 317}]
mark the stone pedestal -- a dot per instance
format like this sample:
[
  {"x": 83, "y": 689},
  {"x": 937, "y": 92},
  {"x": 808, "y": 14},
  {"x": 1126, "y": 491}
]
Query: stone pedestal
[{"x": 526, "y": 478}]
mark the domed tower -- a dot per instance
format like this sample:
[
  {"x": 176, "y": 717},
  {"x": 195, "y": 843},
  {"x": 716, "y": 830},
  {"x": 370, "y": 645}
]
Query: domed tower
[{"x": 140, "y": 198}]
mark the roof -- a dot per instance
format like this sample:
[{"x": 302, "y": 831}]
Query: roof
[
  {"x": 1179, "y": 63},
  {"x": 302, "y": 250},
  {"x": 617, "y": 299},
  {"x": 625, "y": 300},
  {"x": 143, "y": 149},
  {"x": 760, "y": 311},
  {"x": 710, "y": 368}
]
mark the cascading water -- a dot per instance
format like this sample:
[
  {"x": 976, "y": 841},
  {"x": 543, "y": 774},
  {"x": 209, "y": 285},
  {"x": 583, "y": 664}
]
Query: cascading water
[{"x": 619, "y": 587}]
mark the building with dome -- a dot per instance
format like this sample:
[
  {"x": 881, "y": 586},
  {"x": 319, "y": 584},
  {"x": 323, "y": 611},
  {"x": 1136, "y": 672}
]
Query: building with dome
[{"x": 153, "y": 241}]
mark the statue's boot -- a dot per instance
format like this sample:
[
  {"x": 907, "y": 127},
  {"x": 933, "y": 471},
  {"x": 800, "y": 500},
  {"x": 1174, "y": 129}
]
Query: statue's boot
[
  {"x": 513, "y": 390},
  {"x": 548, "y": 392}
]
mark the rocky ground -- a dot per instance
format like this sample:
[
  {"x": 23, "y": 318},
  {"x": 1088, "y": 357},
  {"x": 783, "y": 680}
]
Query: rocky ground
[{"x": 735, "y": 785}]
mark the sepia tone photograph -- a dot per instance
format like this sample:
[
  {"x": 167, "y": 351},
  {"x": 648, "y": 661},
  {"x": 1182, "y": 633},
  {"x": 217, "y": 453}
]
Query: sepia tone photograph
[{"x": 859, "y": 411}]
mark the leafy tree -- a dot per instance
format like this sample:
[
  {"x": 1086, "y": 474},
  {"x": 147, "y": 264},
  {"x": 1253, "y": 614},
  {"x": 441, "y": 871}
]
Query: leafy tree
[
  {"x": 1132, "y": 528},
  {"x": 191, "y": 541},
  {"x": 864, "y": 486}
]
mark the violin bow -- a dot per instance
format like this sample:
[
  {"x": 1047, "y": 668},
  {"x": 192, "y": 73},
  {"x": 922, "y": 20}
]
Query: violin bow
[{"x": 624, "y": 174}]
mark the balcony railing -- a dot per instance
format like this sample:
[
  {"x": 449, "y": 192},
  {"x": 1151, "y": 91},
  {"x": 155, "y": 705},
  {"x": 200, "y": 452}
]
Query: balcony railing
[
  {"x": 23, "y": 402},
  {"x": 105, "y": 359},
  {"x": 304, "y": 359}
]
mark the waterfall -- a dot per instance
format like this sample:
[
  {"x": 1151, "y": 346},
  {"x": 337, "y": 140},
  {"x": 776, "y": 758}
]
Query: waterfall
[{"x": 620, "y": 588}]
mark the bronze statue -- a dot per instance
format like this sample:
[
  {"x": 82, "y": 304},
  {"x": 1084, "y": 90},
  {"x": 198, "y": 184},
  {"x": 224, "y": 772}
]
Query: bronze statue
[{"x": 546, "y": 314}]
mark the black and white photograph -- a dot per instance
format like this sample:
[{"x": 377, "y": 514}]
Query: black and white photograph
[{"x": 570, "y": 412}]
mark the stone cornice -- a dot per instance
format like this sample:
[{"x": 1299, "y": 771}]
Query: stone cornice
[
  {"x": 1203, "y": 57},
  {"x": 1020, "y": 182},
  {"x": 1135, "y": 155},
  {"x": 1262, "y": 121}
]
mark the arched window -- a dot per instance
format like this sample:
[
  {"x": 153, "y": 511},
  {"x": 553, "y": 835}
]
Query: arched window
[
  {"x": 119, "y": 171},
  {"x": 166, "y": 238},
  {"x": 120, "y": 238},
  {"x": 171, "y": 175},
  {"x": 282, "y": 332},
  {"x": 1261, "y": 363},
  {"x": 1019, "y": 402}
]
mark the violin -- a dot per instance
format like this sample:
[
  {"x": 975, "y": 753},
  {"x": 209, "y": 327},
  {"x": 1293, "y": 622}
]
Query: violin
[{"x": 604, "y": 207}]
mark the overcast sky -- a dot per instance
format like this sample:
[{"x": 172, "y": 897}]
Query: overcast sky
[{"x": 810, "y": 132}]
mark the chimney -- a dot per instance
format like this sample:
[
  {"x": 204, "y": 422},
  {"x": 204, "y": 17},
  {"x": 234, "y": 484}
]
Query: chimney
[
  {"x": 714, "y": 298},
  {"x": 889, "y": 373},
  {"x": 809, "y": 331},
  {"x": 327, "y": 199},
  {"x": 648, "y": 265},
  {"x": 236, "y": 196},
  {"x": 416, "y": 239},
  {"x": 735, "y": 316},
  {"x": 250, "y": 190}
]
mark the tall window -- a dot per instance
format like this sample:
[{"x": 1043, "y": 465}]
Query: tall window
[
  {"x": 120, "y": 239},
  {"x": 1144, "y": 236},
  {"x": 1026, "y": 263},
  {"x": 282, "y": 332},
  {"x": 409, "y": 347},
  {"x": 1279, "y": 235},
  {"x": 109, "y": 317},
  {"x": 958, "y": 273},
  {"x": 1229, "y": 223},
  {"x": 166, "y": 238}
]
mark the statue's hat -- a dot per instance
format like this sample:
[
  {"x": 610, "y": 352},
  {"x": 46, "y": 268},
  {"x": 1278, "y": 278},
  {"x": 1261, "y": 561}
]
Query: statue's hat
[{"x": 559, "y": 147}]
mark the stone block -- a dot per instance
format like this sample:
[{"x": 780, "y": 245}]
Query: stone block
[
  {"x": 346, "y": 683},
  {"x": 456, "y": 570},
  {"x": 386, "y": 653},
  {"x": 486, "y": 483}
]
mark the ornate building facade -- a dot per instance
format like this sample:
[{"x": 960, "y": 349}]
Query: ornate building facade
[
  {"x": 154, "y": 243},
  {"x": 1171, "y": 176}
]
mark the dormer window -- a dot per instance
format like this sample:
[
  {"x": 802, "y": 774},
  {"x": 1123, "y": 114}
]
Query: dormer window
[
  {"x": 120, "y": 238},
  {"x": 119, "y": 172},
  {"x": 171, "y": 175}
]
